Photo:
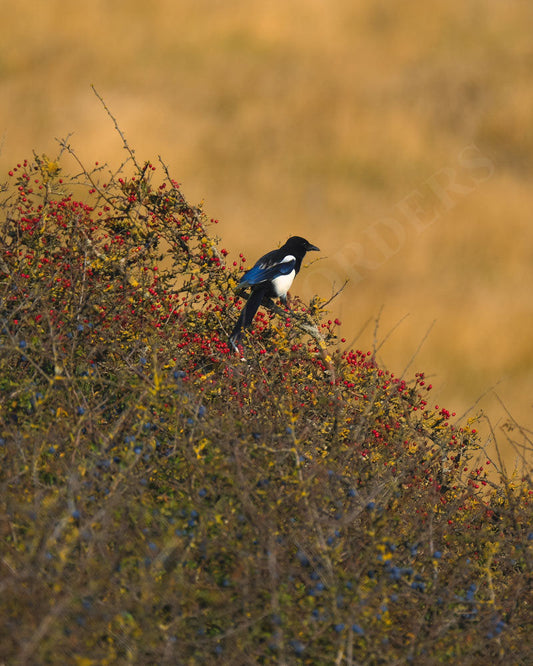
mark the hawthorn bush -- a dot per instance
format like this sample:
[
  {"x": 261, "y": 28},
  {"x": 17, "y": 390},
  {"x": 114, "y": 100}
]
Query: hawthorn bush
[{"x": 164, "y": 501}]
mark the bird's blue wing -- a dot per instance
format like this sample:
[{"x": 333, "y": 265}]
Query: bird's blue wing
[{"x": 265, "y": 271}]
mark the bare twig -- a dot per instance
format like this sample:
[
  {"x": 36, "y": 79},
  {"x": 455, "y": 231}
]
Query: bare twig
[
  {"x": 120, "y": 133},
  {"x": 420, "y": 345},
  {"x": 478, "y": 400},
  {"x": 334, "y": 296},
  {"x": 387, "y": 336}
]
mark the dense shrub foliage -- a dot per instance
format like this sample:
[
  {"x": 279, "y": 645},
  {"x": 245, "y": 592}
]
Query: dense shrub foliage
[{"x": 164, "y": 501}]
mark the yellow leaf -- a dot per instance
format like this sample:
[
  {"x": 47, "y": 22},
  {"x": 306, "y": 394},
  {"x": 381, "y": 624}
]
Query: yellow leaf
[{"x": 49, "y": 169}]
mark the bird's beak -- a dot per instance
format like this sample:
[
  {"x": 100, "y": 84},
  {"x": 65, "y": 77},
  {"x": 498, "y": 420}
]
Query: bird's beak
[{"x": 313, "y": 247}]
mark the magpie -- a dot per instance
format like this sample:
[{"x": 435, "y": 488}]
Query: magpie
[{"x": 270, "y": 277}]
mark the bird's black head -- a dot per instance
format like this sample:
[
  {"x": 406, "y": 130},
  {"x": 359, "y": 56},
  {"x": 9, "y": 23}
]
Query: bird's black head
[{"x": 300, "y": 245}]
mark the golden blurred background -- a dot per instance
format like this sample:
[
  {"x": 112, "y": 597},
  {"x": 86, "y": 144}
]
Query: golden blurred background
[{"x": 398, "y": 137}]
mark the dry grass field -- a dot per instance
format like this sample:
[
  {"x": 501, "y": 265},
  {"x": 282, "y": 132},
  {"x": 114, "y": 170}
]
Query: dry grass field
[{"x": 398, "y": 137}]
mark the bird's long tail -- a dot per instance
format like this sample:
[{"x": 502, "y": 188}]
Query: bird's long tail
[{"x": 247, "y": 314}]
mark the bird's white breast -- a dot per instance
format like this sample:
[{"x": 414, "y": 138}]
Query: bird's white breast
[{"x": 282, "y": 284}]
